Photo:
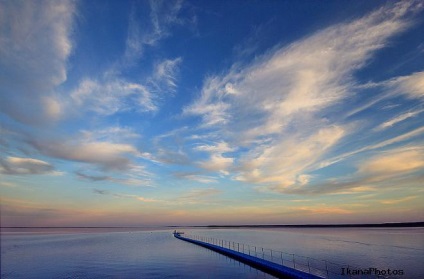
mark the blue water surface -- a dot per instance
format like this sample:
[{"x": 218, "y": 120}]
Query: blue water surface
[
  {"x": 155, "y": 253},
  {"x": 133, "y": 254}
]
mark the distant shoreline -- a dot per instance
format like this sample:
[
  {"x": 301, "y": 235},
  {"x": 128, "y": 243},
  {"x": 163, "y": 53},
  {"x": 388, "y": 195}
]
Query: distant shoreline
[{"x": 381, "y": 225}]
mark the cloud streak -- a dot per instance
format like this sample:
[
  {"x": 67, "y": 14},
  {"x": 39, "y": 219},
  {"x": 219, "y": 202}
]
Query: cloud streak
[
  {"x": 388, "y": 169},
  {"x": 109, "y": 156},
  {"x": 112, "y": 95},
  {"x": 24, "y": 166},
  {"x": 279, "y": 108},
  {"x": 399, "y": 118},
  {"x": 35, "y": 45},
  {"x": 135, "y": 182}
]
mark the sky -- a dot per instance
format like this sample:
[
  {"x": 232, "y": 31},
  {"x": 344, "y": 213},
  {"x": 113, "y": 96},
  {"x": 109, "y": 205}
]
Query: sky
[{"x": 137, "y": 113}]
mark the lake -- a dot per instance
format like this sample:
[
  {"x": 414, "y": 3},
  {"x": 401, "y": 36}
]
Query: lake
[{"x": 155, "y": 253}]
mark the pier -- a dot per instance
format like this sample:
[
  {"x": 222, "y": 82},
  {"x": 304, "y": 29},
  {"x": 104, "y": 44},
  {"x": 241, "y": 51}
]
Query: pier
[{"x": 233, "y": 250}]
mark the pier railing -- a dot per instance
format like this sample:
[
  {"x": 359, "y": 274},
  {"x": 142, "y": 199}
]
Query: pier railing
[{"x": 321, "y": 268}]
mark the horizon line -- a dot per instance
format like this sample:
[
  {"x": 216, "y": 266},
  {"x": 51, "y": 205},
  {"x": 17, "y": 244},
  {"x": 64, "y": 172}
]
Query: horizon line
[{"x": 389, "y": 224}]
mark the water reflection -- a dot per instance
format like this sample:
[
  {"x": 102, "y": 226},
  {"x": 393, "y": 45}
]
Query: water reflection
[
  {"x": 382, "y": 248},
  {"x": 134, "y": 254}
]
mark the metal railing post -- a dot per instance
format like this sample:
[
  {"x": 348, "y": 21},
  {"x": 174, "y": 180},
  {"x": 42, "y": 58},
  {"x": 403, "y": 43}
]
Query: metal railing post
[
  {"x": 326, "y": 268},
  {"x": 294, "y": 263}
]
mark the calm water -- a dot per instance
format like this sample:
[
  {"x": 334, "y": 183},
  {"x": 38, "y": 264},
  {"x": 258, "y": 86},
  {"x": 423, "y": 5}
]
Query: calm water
[{"x": 154, "y": 253}]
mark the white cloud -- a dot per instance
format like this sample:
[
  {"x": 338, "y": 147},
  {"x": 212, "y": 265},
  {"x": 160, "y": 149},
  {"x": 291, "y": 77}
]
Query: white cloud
[
  {"x": 397, "y": 119},
  {"x": 412, "y": 85},
  {"x": 111, "y": 96},
  {"x": 304, "y": 77},
  {"x": 134, "y": 182},
  {"x": 401, "y": 200},
  {"x": 276, "y": 106},
  {"x": 163, "y": 15},
  {"x": 7, "y": 184},
  {"x": 22, "y": 166},
  {"x": 303, "y": 179},
  {"x": 110, "y": 134},
  {"x": 220, "y": 147},
  {"x": 164, "y": 75},
  {"x": 394, "y": 162},
  {"x": 217, "y": 160},
  {"x": 143, "y": 199},
  {"x": 35, "y": 45},
  {"x": 196, "y": 177},
  {"x": 111, "y": 156},
  {"x": 385, "y": 170},
  {"x": 120, "y": 195},
  {"x": 284, "y": 163},
  {"x": 401, "y": 138}
]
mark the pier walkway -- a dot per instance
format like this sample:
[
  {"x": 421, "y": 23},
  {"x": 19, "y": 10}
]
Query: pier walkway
[{"x": 253, "y": 258}]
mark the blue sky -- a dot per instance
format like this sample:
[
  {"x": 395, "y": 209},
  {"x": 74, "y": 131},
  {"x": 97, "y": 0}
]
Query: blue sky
[{"x": 211, "y": 112}]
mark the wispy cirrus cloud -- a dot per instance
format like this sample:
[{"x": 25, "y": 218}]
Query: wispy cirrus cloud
[
  {"x": 199, "y": 195},
  {"x": 402, "y": 117},
  {"x": 409, "y": 86},
  {"x": 393, "y": 162},
  {"x": 35, "y": 45},
  {"x": 163, "y": 14},
  {"x": 401, "y": 200},
  {"x": 110, "y": 134},
  {"x": 217, "y": 161},
  {"x": 304, "y": 77},
  {"x": 164, "y": 75},
  {"x": 385, "y": 170},
  {"x": 280, "y": 107},
  {"x": 162, "y": 17},
  {"x": 127, "y": 196},
  {"x": 196, "y": 177},
  {"x": 382, "y": 144},
  {"x": 8, "y": 184},
  {"x": 322, "y": 209},
  {"x": 412, "y": 86},
  {"x": 135, "y": 181},
  {"x": 112, "y": 96},
  {"x": 284, "y": 163}
]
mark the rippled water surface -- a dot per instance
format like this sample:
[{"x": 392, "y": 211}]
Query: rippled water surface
[
  {"x": 155, "y": 253},
  {"x": 134, "y": 254},
  {"x": 362, "y": 248}
]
